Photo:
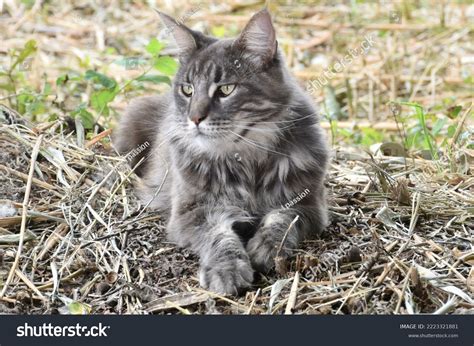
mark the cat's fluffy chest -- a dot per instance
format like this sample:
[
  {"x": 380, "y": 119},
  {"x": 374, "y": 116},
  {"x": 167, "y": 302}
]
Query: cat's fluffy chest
[{"x": 252, "y": 185}]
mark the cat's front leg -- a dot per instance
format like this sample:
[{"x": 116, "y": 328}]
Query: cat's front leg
[
  {"x": 268, "y": 242},
  {"x": 224, "y": 264}
]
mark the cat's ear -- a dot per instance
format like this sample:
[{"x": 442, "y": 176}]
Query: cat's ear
[
  {"x": 258, "y": 39},
  {"x": 182, "y": 35}
]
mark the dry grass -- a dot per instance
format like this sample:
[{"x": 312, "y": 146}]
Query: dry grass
[
  {"x": 401, "y": 234},
  {"x": 74, "y": 239}
]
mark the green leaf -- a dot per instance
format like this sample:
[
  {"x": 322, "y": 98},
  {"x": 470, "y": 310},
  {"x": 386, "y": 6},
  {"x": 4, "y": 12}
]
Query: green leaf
[
  {"x": 415, "y": 139},
  {"x": 412, "y": 104},
  {"x": 438, "y": 125},
  {"x": 24, "y": 101},
  {"x": 154, "y": 47},
  {"x": 47, "y": 89},
  {"x": 85, "y": 63},
  {"x": 62, "y": 79},
  {"x": 28, "y": 49},
  {"x": 218, "y": 31},
  {"x": 100, "y": 100},
  {"x": 53, "y": 117},
  {"x": 110, "y": 51},
  {"x": 86, "y": 117},
  {"x": 78, "y": 308},
  {"x": 370, "y": 136},
  {"x": 36, "y": 107},
  {"x": 130, "y": 63},
  {"x": 166, "y": 65},
  {"x": 8, "y": 87},
  {"x": 451, "y": 130},
  {"x": 430, "y": 143},
  {"x": 453, "y": 112},
  {"x": 469, "y": 80},
  {"x": 154, "y": 78},
  {"x": 100, "y": 78}
]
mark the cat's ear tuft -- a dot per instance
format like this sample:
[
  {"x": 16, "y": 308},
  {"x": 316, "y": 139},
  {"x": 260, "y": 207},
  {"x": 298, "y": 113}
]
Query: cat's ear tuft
[
  {"x": 182, "y": 35},
  {"x": 258, "y": 39}
]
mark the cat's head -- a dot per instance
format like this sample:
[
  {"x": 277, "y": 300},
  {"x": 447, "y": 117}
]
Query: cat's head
[{"x": 229, "y": 93}]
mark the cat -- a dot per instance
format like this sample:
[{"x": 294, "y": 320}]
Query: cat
[{"x": 234, "y": 140}]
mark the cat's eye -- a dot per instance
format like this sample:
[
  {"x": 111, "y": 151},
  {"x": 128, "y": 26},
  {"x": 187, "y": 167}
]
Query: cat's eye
[
  {"x": 187, "y": 89},
  {"x": 226, "y": 90}
]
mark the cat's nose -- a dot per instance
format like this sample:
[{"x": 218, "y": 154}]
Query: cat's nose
[{"x": 197, "y": 118}]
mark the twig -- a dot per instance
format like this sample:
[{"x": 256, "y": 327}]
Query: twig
[
  {"x": 253, "y": 302},
  {"x": 413, "y": 220},
  {"x": 50, "y": 284},
  {"x": 28, "y": 283},
  {"x": 98, "y": 138},
  {"x": 460, "y": 125},
  {"x": 404, "y": 288},
  {"x": 286, "y": 235},
  {"x": 350, "y": 293},
  {"x": 280, "y": 261},
  {"x": 380, "y": 280},
  {"x": 293, "y": 293}
]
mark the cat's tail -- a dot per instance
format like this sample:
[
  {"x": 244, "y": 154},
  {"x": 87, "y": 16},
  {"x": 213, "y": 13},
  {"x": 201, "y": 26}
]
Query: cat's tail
[{"x": 137, "y": 130}]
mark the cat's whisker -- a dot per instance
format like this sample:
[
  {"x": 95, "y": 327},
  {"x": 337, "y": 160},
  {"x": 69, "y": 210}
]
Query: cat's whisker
[
  {"x": 285, "y": 121},
  {"x": 256, "y": 128},
  {"x": 278, "y": 129},
  {"x": 257, "y": 145},
  {"x": 293, "y": 107},
  {"x": 166, "y": 137},
  {"x": 276, "y": 133}
]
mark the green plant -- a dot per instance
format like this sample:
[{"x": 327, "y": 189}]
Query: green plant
[
  {"x": 426, "y": 133},
  {"x": 17, "y": 70},
  {"x": 89, "y": 91}
]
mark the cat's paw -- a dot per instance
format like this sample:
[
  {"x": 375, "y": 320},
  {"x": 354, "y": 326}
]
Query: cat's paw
[
  {"x": 262, "y": 249},
  {"x": 228, "y": 276}
]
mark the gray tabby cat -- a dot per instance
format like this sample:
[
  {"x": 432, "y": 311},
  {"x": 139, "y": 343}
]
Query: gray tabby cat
[{"x": 235, "y": 140}]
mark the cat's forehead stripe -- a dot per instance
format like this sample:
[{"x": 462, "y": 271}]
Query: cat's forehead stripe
[
  {"x": 212, "y": 89},
  {"x": 218, "y": 74},
  {"x": 210, "y": 69}
]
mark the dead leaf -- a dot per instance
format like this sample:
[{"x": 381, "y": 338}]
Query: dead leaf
[
  {"x": 466, "y": 256},
  {"x": 400, "y": 191},
  {"x": 455, "y": 181},
  {"x": 111, "y": 278}
]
